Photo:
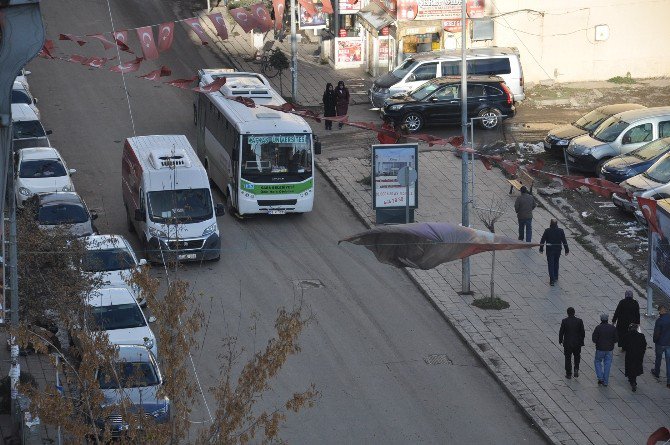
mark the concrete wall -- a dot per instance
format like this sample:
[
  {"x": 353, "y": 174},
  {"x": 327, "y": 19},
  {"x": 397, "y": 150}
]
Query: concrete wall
[{"x": 560, "y": 43}]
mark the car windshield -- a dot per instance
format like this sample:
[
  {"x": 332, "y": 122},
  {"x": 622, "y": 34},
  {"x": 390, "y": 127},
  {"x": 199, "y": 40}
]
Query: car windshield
[
  {"x": 652, "y": 149},
  {"x": 41, "y": 168},
  {"x": 180, "y": 206},
  {"x": 424, "y": 91},
  {"x": 609, "y": 130},
  {"x": 404, "y": 68},
  {"x": 54, "y": 214},
  {"x": 129, "y": 375},
  {"x": 28, "y": 129},
  {"x": 119, "y": 316},
  {"x": 590, "y": 121},
  {"x": 108, "y": 260},
  {"x": 277, "y": 157},
  {"x": 20, "y": 97}
]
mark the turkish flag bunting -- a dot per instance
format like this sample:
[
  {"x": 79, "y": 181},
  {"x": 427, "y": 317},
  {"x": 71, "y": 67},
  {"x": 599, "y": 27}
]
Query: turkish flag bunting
[
  {"x": 75, "y": 58},
  {"x": 165, "y": 36},
  {"x": 106, "y": 44},
  {"x": 244, "y": 18},
  {"x": 648, "y": 209},
  {"x": 121, "y": 39},
  {"x": 45, "y": 52},
  {"x": 309, "y": 6},
  {"x": 247, "y": 102},
  {"x": 327, "y": 7},
  {"x": 487, "y": 162},
  {"x": 96, "y": 62},
  {"x": 73, "y": 38},
  {"x": 211, "y": 87},
  {"x": 128, "y": 67},
  {"x": 182, "y": 83},
  {"x": 279, "y": 6},
  {"x": 509, "y": 167},
  {"x": 219, "y": 24},
  {"x": 163, "y": 71},
  {"x": 262, "y": 17},
  {"x": 146, "y": 36},
  {"x": 195, "y": 25}
]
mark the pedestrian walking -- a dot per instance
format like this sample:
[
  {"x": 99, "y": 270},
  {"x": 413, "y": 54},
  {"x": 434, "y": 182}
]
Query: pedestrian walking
[
  {"x": 554, "y": 237},
  {"x": 571, "y": 336},
  {"x": 627, "y": 312},
  {"x": 341, "y": 101},
  {"x": 635, "y": 345},
  {"x": 524, "y": 206},
  {"x": 604, "y": 336},
  {"x": 662, "y": 343},
  {"x": 329, "y": 102}
]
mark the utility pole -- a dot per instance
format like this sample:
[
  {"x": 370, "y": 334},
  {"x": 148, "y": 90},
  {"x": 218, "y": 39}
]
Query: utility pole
[
  {"x": 294, "y": 55},
  {"x": 465, "y": 195}
]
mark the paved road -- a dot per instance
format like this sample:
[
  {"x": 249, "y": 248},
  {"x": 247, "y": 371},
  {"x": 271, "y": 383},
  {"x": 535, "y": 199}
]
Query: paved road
[{"x": 389, "y": 368}]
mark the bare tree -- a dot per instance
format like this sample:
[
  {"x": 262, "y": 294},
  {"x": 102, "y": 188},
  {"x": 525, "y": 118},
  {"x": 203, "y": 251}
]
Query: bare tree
[{"x": 489, "y": 216}]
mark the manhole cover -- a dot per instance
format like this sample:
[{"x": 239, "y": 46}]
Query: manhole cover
[
  {"x": 437, "y": 359},
  {"x": 305, "y": 284}
]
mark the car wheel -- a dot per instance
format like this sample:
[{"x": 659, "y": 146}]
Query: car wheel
[
  {"x": 414, "y": 122},
  {"x": 599, "y": 166},
  {"x": 490, "y": 118}
]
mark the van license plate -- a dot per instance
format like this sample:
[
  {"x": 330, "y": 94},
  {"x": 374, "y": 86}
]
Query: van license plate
[
  {"x": 186, "y": 256},
  {"x": 276, "y": 212}
]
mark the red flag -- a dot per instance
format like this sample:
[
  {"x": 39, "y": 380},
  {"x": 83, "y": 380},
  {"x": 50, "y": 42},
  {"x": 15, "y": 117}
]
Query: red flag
[
  {"x": 309, "y": 6},
  {"x": 106, "y": 44},
  {"x": 165, "y": 36},
  {"x": 245, "y": 19},
  {"x": 487, "y": 163},
  {"x": 261, "y": 17},
  {"x": 211, "y": 87},
  {"x": 146, "y": 36},
  {"x": 75, "y": 58},
  {"x": 327, "y": 7},
  {"x": 96, "y": 62},
  {"x": 219, "y": 24},
  {"x": 73, "y": 38},
  {"x": 279, "y": 6},
  {"x": 195, "y": 25},
  {"x": 182, "y": 83},
  {"x": 648, "y": 209},
  {"x": 45, "y": 52},
  {"x": 155, "y": 74},
  {"x": 246, "y": 101},
  {"x": 128, "y": 67},
  {"x": 121, "y": 39},
  {"x": 661, "y": 434}
]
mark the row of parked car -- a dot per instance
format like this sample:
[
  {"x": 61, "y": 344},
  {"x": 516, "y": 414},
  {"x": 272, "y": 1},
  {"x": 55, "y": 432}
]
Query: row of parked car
[
  {"x": 627, "y": 144},
  {"x": 44, "y": 186}
]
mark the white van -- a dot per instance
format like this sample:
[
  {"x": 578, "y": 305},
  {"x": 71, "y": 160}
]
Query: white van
[
  {"x": 418, "y": 69},
  {"x": 168, "y": 200}
]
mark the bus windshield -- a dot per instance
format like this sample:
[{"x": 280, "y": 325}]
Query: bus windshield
[
  {"x": 180, "y": 206},
  {"x": 277, "y": 157}
]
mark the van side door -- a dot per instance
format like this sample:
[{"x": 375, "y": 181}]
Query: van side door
[
  {"x": 420, "y": 75},
  {"x": 636, "y": 136}
]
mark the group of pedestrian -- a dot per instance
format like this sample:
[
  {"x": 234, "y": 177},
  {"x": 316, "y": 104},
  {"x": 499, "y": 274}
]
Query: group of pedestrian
[
  {"x": 626, "y": 333},
  {"x": 335, "y": 103}
]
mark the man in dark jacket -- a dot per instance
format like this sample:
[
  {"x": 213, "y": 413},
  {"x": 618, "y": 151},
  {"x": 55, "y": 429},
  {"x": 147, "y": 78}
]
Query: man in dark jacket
[
  {"x": 524, "y": 206},
  {"x": 627, "y": 312},
  {"x": 604, "y": 336},
  {"x": 571, "y": 336},
  {"x": 555, "y": 239},
  {"x": 635, "y": 345},
  {"x": 662, "y": 342}
]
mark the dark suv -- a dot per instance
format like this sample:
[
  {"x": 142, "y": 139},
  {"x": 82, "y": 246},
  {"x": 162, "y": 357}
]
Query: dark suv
[{"x": 439, "y": 102}]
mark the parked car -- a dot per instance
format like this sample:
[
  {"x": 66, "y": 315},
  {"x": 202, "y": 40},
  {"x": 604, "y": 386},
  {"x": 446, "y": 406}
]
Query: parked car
[
  {"x": 620, "y": 134},
  {"x": 22, "y": 76},
  {"x": 637, "y": 161},
  {"x": 559, "y": 138},
  {"x": 653, "y": 183},
  {"x": 438, "y": 101},
  {"x": 416, "y": 70},
  {"x": 21, "y": 95},
  {"x": 138, "y": 380},
  {"x": 113, "y": 260},
  {"x": 27, "y": 128},
  {"x": 41, "y": 170},
  {"x": 116, "y": 312},
  {"x": 63, "y": 209}
]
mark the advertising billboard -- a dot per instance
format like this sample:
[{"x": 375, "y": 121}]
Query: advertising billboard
[
  {"x": 660, "y": 252},
  {"x": 387, "y": 160}
]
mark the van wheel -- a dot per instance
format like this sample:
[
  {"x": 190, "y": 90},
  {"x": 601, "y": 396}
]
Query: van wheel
[
  {"x": 414, "y": 122},
  {"x": 490, "y": 118}
]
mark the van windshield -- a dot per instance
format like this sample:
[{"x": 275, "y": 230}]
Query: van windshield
[
  {"x": 277, "y": 157},
  {"x": 180, "y": 206},
  {"x": 28, "y": 129},
  {"x": 609, "y": 130},
  {"x": 660, "y": 171},
  {"x": 404, "y": 68}
]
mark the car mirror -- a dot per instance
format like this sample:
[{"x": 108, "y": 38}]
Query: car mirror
[
  {"x": 49, "y": 132},
  {"x": 139, "y": 215},
  {"x": 411, "y": 78},
  {"x": 317, "y": 147},
  {"x": 143, "y": 262},
  {"x": 72, "y": 171},
  {"x": 35, "y": 100},
  {"x": 27, "y": 73},
  {"x": 152, "y": 319},
  {"x": 220, "y": 209},
  {"x": 94, "y": 215}
]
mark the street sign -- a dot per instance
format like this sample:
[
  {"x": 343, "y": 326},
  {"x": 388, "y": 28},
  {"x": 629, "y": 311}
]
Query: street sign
[{"x": 407, "y": 176}]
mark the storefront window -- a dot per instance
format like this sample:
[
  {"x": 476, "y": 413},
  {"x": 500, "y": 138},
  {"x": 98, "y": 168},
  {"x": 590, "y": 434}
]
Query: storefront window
[{"x": 420, "y": 43}]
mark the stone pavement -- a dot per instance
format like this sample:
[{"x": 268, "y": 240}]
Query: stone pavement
[
  {"x": 520, "y": 344},
  {"x": 312, "y": 74}
]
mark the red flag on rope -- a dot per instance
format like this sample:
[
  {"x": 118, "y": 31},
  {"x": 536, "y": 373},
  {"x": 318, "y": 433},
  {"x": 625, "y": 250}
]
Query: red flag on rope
[
  {"x": 146, "y": 36},
  {"x": 165, "y": 36},
  {"x": 75, "y": 58},
  {"x": 163, "y": 71},
  {"x": 247, "y": 102},
  {"x": 327, "y": 7},
  {"x": 261, "y": 17},
  {"x": 73, "y": 38},
  {"x": 279, "y": 6},
  {"x": 219, "y": 24},
  {"x": 45, "y": 52},
  {"x": 487, "y": 162},
  {"x": 243, "y": 18},
  {"x": 128, "y": 67},
  {"x": 96, "y": 62},
  {"x": 195, "y": 25},
  {"x": 648, "y": 209},
  {"x": 211, "y": 87},
  {"x": 184, "y": 84},
  {"x": 106, "y": 44},
  {"x": 309, "y": 6},
  {"x": 121, "y": 39}
]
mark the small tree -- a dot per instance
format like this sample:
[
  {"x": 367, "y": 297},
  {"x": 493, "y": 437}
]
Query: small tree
[{"x": 280, "y": 62}]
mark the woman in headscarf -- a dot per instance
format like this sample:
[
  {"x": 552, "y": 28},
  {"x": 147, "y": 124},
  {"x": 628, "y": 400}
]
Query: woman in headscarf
[
  {"x": 329, "y": 101},
  {"x": 635, "y": 345},
  {"x": 342, "y": 100},
  {"x": 627, "y": 312}
]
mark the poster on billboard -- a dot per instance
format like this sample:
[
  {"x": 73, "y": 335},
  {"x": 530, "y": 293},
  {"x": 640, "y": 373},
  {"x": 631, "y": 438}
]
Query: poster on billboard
[
  {"x": 387, "y": 160},
  {"x": 349, "y": 51},
  {"x": 313, "y": 21},
  {"x": 438, "y": 9},
  {"x": 660, "y": 253},
  {"x": 349, "y": 7}
]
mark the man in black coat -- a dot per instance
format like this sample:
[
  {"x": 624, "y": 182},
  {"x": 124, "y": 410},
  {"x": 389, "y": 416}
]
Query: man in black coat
[
  {"x": 571, "y": 336},
  {"x": 635, "y": 344},
  {"x": 627, "y": 312},
  {"x": 555, "y": 240},
  {"x": 604, "y": 336}
]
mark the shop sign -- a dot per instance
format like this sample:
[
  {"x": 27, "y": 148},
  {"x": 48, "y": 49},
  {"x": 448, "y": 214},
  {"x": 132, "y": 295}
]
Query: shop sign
[
  {"x": 349, "y": 51},
  {"x": 437, "y": 9},
  {"x": 452, "y": 25},
  {"x": 348, "y": 7},
  {"x": 384, "y": 50}
]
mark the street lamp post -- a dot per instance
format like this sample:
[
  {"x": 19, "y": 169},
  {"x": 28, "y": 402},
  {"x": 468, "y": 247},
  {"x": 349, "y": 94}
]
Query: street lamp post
[
  {"x": 465, "y": 196},
  {"x": 294, "y": 55}
]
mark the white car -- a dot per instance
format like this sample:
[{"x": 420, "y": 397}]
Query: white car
[
  {"x": 21, "y": 95},
  {"x": 41, "y": 170},
  {"x": 22, "y": 77},
  {"x": 116, "y": 312},
  {"x": 112, "y": 259},
  {"x": 27, "y": 129}
]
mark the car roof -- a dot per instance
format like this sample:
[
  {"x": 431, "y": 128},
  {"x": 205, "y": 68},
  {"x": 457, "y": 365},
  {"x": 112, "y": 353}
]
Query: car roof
[
  {"x": 105, "y": 242},
  {"x": 474, "y": 78},
  {"x": 23, "y": 112},
  {"x": 473, "y": 53},
  {"x": 39, "y": 153},
  {"x": 643, "y": 113},
  {"x": 110, "y": 296},
  {"x": 619, "y": 108},
  {"x": 133, "y": 353},
  {"x": 60, "y": 198}
]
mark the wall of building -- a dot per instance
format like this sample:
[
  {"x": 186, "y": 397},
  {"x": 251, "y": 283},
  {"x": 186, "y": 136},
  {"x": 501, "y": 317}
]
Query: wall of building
[{"x": 557, "y": 39}]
